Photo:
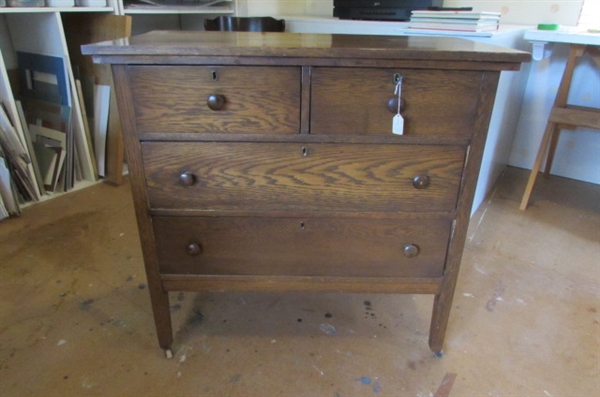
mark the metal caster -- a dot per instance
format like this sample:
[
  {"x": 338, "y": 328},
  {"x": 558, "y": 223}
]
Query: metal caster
[
  {"x": 439, "y": 354},
  {"x": 168, "y": 353}
]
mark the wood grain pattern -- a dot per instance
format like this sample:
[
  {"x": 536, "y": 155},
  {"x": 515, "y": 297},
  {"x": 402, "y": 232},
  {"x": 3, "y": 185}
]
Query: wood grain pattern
[
  {"x": 158, "y": 296},
  {"x": 283, "y": 246},
  {"x": 257, "y": 99},
  {"x": 354, "y": 101},
  {"x": 576, "y": 116},
  {"x": 277, "y": 176},
  {"x": 319, "y": 198},
  {"x": 376, "y": 285},
  {"x": 404, "y": 216},
  {"x": 305, "y": 101},
  {"x": 301, "y": 62},
  {"x": 443, "y": 301},
  {"x": 284, "y": 45},
  {"x": 84, "y": 28},
  {"x": 434, "y": 140}
]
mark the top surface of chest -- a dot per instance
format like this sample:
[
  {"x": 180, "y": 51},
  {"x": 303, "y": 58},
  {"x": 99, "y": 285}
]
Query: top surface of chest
[{"x": 195, "y": 46}]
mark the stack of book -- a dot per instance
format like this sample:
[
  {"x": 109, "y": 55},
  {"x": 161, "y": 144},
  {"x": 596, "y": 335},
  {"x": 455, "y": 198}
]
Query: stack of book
[{"x": 461, "y": 21}]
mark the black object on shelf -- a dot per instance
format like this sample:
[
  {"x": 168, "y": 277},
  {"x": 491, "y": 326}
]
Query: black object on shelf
[
  {"x": 244, "y": 24},
  {"x": 450, "y": 9},
  {"x": 381, "y": 10}
]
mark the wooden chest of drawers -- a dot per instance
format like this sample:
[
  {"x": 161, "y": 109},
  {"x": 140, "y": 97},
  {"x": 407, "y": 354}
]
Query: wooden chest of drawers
[{"x": 266, "y": 161}]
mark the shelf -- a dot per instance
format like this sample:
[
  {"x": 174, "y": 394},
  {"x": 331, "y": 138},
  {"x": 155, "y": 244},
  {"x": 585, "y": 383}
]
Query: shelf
[
  {"x": 178, "y": 10},
  {"x": 29, "y": 10},
  {"x": 53, "y": 30},
  {"x": 569, "y": 35},
  {"x": 49, "y": 196}
]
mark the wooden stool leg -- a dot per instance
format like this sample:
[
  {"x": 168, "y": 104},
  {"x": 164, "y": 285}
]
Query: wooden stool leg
[
  {"x": 536, "y": 165},
  {"x": 551, "y": 151},
  {"x": 550, "y": 137}
]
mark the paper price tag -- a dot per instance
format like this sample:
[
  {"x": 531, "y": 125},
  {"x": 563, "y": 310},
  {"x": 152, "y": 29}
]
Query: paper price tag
[
  {"x": 398, "y": 120},
  {"x": 398, "y": 125}
]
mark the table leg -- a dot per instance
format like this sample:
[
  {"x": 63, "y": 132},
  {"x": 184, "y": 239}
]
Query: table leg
[
  {"x": 551, "y": 151},
  {"x": 162, "y": 319},
  {"x": 550, "y": 138}
]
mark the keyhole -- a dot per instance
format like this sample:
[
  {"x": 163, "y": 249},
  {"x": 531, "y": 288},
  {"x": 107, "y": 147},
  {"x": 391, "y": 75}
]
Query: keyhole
[
  {"x": 214, "y": 75},
  {"x": 301, "y": 225},
  {"x": 304, "y": 152}
]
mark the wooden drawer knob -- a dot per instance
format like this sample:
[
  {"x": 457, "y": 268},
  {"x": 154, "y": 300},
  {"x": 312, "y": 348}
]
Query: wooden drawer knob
[
  {"x": 411, "y": 250},
  {"x": 215, "y": 102},
  {"x": 421, "y": 181},
  {"x": 187, "y": 179},
  {"x": 193, "y": 249},
  {"x": 392, "y": 105}
]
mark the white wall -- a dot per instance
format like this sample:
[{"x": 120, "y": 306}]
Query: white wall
[
  {"x": 526, "y": 12},
  {"x": 322, "y": 8},
  {"x": 578, "y": 151},
  {"x": 577, "y": 155}
]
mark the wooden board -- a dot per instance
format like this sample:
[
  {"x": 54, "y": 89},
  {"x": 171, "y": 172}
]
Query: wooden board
[
  {"x": 43, "y": 34},
  {"x": 310, "y": 177},
  {"x": 83, "y": 29},
  {"x": 351, "y": 247}
]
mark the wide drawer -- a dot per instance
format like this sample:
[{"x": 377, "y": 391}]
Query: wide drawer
[
  {"x": 302, "y": 247},
  {"x": 355, "y": 101},
  {"x": 248, "y": 99},
  {"x": 293, "y": 176}
]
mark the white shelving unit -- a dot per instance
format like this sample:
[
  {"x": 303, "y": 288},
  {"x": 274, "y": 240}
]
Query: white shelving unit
[
  {"x": 219, "y": 8},
  {"x": 120, "y": 7},
  {"x": 35, "y": 10},
  {"x": 40, "y": 30},
  {"x": 187, "y": 10},
  {"x": 187, "y": 17}
]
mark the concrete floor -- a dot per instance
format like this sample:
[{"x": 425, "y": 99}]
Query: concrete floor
[{"x": 75, "y": 314}]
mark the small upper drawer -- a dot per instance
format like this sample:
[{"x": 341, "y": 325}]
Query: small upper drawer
[
  {"x": 217, "y": 99},
  {"x": 307, "y": 177},
  {"x": 360, "y": 101}
]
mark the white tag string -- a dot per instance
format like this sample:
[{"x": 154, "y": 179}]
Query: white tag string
[
  {"x": 398, "y": 91},
  {"x": 398, "y": 121}
]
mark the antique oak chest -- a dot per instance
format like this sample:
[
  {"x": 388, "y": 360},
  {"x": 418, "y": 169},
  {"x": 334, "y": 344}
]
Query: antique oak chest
[{"x": 269, "y": 161}]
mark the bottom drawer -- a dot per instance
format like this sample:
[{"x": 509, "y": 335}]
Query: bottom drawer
[{"x": 343, "y": 247}]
